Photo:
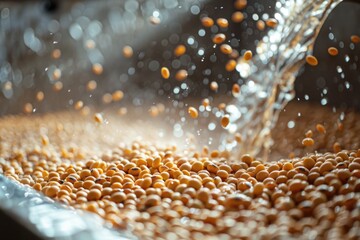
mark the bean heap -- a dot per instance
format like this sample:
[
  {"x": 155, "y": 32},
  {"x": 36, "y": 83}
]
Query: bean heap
[{"x": 159, "y": 193}]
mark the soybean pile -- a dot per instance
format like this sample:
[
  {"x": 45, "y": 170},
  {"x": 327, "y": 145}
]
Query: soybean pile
[{"x": 168, "y": 192}]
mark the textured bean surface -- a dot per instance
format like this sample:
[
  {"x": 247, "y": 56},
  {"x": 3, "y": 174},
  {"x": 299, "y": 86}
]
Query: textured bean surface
[{"x": 162, "y": 192}]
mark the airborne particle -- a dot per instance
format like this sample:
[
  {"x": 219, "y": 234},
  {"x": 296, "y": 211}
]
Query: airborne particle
[
  {"x": 230, "y": 65},
  {"x": 181, "y": 75},
  {"x": 207, "y": 22},
  {"x": 98, "y": 118},
  {"x": 222, "y": 22},
  {"x": 97, "y": 68},
  {"x": 127, "y": 51},
  {"x": 312, "y": 60},
  {"x": 219, "y": 38},
  {"x": 225, "y": 120},
  {"x": 307, "y": 142},
  {"x": 248, "y": 55},
  {"x": 237, "y": 17},
  {"x": 272, "y": 22},
  {"x": 214, "y": 86},
  {"x": 165, "y": 73},
  {"x": 240, "y": 4},
  {"x": 355, "y": 38},
  {"x": 154, "y": 20},
  {"x": 180, "y": 50},
  {"x": 226, "y": 49},
  {"x": 333, "y": 51},
  {"x": 193, "y": 112}
]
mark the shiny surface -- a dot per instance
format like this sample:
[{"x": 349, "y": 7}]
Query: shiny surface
[{"x": 51, "y": 220}]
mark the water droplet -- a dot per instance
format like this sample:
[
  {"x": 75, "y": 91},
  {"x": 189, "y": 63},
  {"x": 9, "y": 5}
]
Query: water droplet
[
  {"x": 211, "y": 126},
  {"x": 291, "y": 124},
  {"x": 324, "y": 101}
]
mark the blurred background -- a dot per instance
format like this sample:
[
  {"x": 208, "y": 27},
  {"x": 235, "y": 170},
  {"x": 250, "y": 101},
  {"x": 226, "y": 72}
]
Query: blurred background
[{"x": 46, "y": 42}]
